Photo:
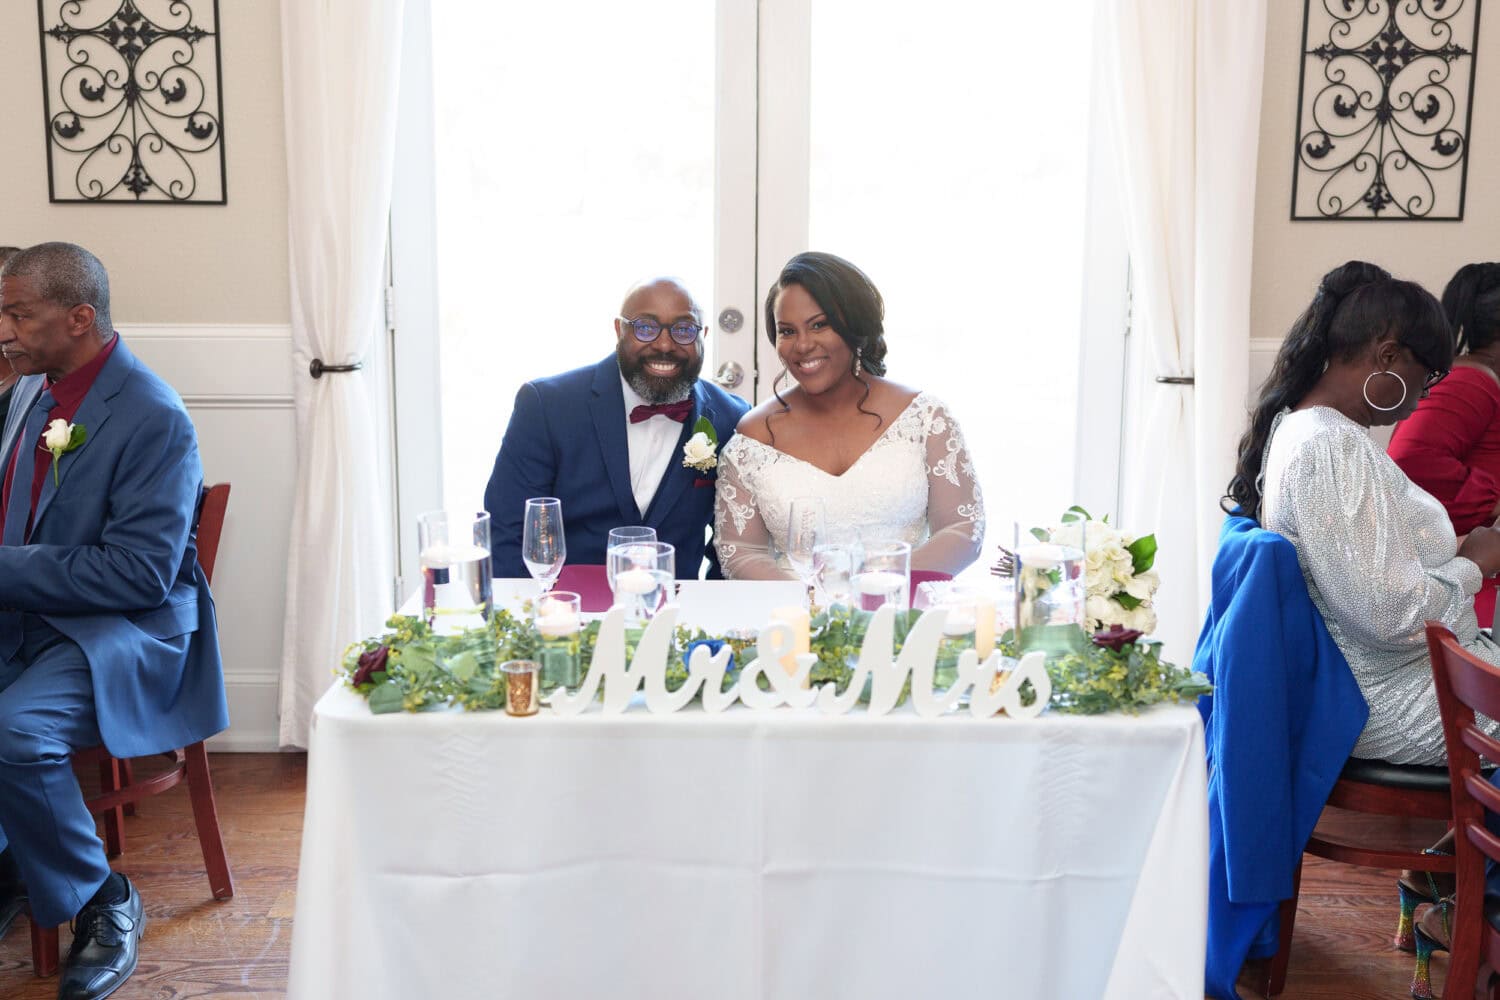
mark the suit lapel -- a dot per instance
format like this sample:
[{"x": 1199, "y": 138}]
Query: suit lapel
[
  {"x": 678, "y": 476},
  {"x": 92, "y": 414},
  {"x": 607, "y": 407},
  {"x": 22, "y": 399}
]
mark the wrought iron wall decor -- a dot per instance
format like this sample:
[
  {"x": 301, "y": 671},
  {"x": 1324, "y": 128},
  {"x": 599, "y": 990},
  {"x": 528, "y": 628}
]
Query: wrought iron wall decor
[
  {"x": 1385, "y": 101},
  {"x": 133, "y": 100}
]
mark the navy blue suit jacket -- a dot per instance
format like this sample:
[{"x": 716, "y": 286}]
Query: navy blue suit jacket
[
  {"x": 111, "y": 562},
  {"x": 566, "y": 439},
  {"x": 1284, "y": 715}
]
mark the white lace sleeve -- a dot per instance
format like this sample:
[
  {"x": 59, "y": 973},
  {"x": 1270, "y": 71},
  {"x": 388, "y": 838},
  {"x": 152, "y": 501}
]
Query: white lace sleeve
[
  {"x": 740, "y": 534},
  {"x": 955, "y": 508}
]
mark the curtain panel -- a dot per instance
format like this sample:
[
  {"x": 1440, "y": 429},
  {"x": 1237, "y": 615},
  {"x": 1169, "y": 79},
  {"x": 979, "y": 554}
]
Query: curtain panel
[
  {"x": 340, "y": 66},
  {"x": 1186, "y": 79}
]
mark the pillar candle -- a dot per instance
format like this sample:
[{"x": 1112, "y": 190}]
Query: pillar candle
[
  {"x": 801, "y": 625},
  {"x": 984, "y": 626}
]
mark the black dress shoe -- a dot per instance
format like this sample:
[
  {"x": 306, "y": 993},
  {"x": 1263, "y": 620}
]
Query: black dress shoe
[{"x": 106, "y": 940}]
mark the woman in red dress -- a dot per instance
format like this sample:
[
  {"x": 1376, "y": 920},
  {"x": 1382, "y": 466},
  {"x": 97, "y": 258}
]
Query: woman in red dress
[{"x": 1451, "y": 446}]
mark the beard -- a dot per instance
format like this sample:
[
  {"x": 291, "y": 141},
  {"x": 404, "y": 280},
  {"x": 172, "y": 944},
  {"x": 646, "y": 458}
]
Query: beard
[{"x": 657, "y": 388}]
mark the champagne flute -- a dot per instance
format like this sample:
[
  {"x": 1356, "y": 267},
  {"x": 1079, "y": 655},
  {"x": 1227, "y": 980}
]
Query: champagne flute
[
  {"x": 806, "y": 528},
  {"x": 544, "y": 547}
]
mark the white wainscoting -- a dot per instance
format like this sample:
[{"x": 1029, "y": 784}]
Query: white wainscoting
[{"x": 237, "y": 384}]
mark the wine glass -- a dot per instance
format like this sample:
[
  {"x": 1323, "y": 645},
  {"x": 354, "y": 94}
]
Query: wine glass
[
  {"x": 544, "y": 547},
  {"x": 643, "y": 574},
  {"x": 806, "y": 528},
  {"x": 624, "y": 536},
  {"x": 833, "y": 574}
]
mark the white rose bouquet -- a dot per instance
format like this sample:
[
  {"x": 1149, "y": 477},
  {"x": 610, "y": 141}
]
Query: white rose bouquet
[{"x": 1117, "y": 571}]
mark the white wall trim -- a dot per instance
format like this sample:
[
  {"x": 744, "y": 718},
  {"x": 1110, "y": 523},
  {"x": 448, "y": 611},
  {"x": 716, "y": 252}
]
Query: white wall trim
[
  {"x": 217, "y": 331},
  {"x": 1265, "y": 345},
  {"x": 227, "y": 402}
]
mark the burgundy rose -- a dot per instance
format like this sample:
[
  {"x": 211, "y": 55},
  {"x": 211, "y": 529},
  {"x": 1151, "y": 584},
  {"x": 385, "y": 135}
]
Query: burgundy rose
[
  {"x": 1116, "y": 637},
  {"x": 370, "y": 662}
]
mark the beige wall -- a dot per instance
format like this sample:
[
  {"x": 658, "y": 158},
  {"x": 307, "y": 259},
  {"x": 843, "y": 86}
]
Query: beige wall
[
  {"x": 202, "y": 264},
  {"x": 1290, "y": 257}
]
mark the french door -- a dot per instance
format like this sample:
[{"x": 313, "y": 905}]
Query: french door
[{"x": 552, "y": 154}]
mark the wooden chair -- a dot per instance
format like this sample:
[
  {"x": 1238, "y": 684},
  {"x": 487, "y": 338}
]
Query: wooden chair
[
  {"x": 119, "y": 791},
  {"x": 1376, "y": 788},
  {"x": 1465, "y": 685}
]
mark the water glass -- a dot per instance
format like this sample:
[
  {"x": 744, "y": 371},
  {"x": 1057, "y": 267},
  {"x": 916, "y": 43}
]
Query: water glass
[
  {"x": 642, "y": 575},
  {"x": 454, "y": 553},
  {"x": 883, "y": 576},
  {"x": 625, "y": 536},
  {"x": 559, "y": 623},
  {"x": 544, "y": 546},
  {"x": 1050, "y": 596},
  {"x": 833, "y": 575}
]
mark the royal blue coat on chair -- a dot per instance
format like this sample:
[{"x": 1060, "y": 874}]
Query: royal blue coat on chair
[
  {"x": 1284, "y": 715},
  {"x": 566, "y": 439}
]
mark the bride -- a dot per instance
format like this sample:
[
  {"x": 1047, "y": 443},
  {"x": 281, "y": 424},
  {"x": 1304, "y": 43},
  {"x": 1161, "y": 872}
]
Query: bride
[{"x": 887, "y": 461}]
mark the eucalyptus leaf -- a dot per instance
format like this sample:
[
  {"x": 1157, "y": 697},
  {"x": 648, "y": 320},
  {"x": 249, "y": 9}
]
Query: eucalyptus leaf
[{"x": 386, "y": 698}]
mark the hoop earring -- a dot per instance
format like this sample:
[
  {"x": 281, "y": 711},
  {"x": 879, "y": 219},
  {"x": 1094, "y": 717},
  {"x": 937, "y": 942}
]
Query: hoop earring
[
  {"x": 859, "y": 357},
  {"x": 1365, "y": 391}
]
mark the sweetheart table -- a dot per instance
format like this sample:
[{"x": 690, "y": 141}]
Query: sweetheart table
[{"x": 750, "y": 854}]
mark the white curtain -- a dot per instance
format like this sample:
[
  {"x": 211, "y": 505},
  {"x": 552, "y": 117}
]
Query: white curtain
[
  {"x": 1186, "y": 83},
  {"x": 340, "y": 70}
]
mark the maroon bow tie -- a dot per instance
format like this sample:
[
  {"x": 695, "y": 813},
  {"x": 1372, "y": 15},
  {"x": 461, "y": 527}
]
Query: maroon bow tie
[{"x": 676, "y": 411}]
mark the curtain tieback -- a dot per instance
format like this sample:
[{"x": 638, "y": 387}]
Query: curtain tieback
[
  {"x": 318, "y": 369},
  {"x": 1163, "y": 379}
]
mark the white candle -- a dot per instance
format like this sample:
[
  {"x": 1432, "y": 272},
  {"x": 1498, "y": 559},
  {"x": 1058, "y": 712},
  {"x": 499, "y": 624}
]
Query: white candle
[
  {"x": 880, "y": 582},
  {"x": 635, "y": 581},
  {"x": 960, "y": 619},
  {"x": 557, "y": 623},
  {"x": 801, "y": 626},
  {"x": 984, "y": 627}
]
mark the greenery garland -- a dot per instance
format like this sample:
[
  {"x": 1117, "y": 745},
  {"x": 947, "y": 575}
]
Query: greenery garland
[{"x": 409, "y": 668}]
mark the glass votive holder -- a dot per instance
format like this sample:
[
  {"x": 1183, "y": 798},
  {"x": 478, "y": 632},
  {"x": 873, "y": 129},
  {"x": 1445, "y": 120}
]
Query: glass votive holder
[
  {"x": 559, "y": 623},
  {"x": 522, "y": 696}
]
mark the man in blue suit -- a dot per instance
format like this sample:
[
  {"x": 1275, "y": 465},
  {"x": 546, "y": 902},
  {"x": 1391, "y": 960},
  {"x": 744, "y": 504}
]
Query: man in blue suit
[
  {"x": 608, "y": 439},
  {"x": 106, "y": 624}
]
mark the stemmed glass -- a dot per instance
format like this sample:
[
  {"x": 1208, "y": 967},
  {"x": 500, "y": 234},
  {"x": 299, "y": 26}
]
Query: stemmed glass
[
  {"x": 806, "y": 529},
  {"x": 544, "y": 548},
  {"x": 644, "y": 574}
]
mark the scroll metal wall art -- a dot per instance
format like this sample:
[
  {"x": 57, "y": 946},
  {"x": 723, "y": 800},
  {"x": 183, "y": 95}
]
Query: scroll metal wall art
[
  {"x": 133, "y": 98},
  {"x": 1385, "y": 101}
]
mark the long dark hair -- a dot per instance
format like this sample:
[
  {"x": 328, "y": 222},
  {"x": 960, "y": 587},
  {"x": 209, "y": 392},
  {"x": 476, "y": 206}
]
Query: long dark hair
[
  {"x": 851, "y": 303},
  {"x": 1356, "y": 304},
  {"x": 1472, "y": 303}
]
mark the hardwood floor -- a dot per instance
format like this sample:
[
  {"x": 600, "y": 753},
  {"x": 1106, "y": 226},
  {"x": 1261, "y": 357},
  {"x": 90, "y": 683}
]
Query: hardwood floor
[{"x": 195, "y": 947}]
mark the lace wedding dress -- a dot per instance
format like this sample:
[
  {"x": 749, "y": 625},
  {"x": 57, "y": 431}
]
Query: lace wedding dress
[{"x": 916, "y": 484}]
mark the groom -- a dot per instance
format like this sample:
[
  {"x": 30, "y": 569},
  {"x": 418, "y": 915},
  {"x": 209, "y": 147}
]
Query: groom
[
  {"x": 106, "y": 624},
  {"x": 607, "y": 440}
]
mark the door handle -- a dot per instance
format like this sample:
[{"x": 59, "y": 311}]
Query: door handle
[{"x": 729, "y": 375}]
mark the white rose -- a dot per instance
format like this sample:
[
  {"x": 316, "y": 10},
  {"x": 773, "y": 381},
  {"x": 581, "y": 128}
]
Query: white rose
[
  {"x": 59, "y": 434},
  {"x": 1142, "y": 619},
  {"x": 1143, "y": 585},
  {"x": 1101, "y": 612},
  {"x": 699, "y": 451}
]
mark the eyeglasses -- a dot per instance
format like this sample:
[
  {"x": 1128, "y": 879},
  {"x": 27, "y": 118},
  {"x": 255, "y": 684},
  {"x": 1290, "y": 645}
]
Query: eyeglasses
[
  {"x": 1434, "y": 375},
  {"x": 683, "y": 331}
]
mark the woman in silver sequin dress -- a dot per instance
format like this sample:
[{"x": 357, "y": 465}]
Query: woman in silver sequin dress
[{"x": 1378, "y": 552}]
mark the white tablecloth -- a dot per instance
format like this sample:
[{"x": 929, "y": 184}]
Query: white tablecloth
[{"x": 750, "y": 855}]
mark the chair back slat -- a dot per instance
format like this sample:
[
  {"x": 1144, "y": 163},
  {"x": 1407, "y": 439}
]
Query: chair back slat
[
  {"x": 1487, "y": 794},
  {"x": 211, "y": 525},
  {"x": 1487, "y": 842},
  {"x": 1479, "y": 741}
]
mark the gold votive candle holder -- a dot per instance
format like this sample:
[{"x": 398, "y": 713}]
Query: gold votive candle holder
[{"x": 522, "y": 686}]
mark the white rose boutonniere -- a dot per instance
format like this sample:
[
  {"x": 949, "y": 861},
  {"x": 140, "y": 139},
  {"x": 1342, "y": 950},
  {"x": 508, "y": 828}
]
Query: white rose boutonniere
[
  {"x": 702, "y": 449},
  {"x": 60, "y": 438}
]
